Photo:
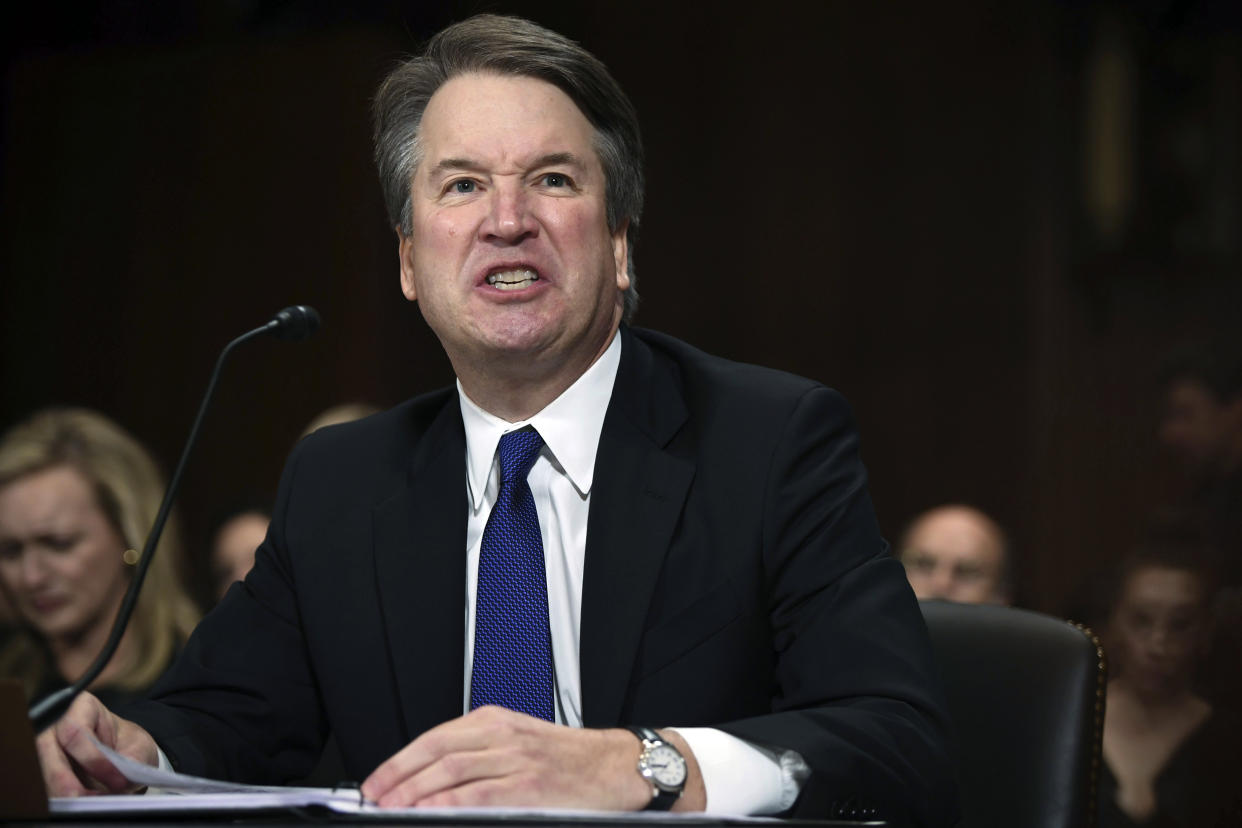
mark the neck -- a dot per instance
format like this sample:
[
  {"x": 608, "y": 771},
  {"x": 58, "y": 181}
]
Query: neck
[{"x": 525, "y": 388}]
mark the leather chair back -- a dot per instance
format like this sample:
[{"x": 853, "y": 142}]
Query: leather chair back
[{"x": 1026, "y": 695}]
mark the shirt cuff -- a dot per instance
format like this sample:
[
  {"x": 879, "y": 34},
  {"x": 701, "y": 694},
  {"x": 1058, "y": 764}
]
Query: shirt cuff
[
  {"x": 163, "y": 765},
  {"x": 742, "y": 778}
]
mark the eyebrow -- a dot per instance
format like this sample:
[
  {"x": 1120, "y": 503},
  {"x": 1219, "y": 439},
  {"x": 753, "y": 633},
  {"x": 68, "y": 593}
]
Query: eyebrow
[
  {"x": 551, "y": 159},
  {"x": 558, "y": 159}
]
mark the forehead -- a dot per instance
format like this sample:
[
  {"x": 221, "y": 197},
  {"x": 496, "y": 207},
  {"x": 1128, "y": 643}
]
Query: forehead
[
  {"x": 1162, "y": 586},
  {"x": 58, "y": 493},
  {"x": 242, "y": 527},
  {"x": 502, "y": 119},
  {"x": 1191, "y": 393},
  {"x": 954, "y": 536}
]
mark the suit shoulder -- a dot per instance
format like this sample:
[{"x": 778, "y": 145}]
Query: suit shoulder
[
  {"x": 381, "y": 440},
  {"x": 727, "y": 382}
]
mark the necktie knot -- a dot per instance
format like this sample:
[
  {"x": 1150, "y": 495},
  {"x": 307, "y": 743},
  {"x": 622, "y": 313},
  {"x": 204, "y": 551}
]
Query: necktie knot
[{"x": 518, "y": 450}]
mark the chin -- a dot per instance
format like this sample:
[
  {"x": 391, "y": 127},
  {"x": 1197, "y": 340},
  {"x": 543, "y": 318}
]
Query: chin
[
  {"x": 1158, "y": 687},
  {"x": 58, "y": 626},
  {"x": 518, "y": 336}
]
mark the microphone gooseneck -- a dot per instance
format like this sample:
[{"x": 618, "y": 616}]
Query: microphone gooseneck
[{"x": 293, "y": 323}]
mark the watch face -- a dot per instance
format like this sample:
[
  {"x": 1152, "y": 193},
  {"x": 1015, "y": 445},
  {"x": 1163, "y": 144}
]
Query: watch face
[{"x": 666, "y": 766}]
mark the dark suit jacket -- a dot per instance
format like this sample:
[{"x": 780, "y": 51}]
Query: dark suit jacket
[{"x": 735, "y": 578}]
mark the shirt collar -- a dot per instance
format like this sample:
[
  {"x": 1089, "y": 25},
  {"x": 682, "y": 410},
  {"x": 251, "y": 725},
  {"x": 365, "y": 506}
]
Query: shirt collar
[{"x": 570, "y": 426}]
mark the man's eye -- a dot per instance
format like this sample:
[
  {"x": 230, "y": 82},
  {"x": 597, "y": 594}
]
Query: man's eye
[
  {"x": 968, "y": 573},
  {"x": 556, "y": 180},
  {"x": 461, "y": 186},
  {"x": 920, "y": 563}
]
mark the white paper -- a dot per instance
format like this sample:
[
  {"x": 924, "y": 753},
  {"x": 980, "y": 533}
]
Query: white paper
[
  {"x": 182, "y": 783},
  {"x": 188, "y": 794}
]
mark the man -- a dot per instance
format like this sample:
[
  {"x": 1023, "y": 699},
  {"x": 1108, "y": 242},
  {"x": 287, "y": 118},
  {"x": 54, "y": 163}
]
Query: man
[
  {"x": 1202, "y": 427},
  {"x": 704, "y": 550},
  {"x": 232, "y": 548},
  {"x": 958, "y": 553}
]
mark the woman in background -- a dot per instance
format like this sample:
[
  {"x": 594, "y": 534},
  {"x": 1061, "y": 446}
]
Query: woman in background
[
  {"x": 1170, "y": 758},
  {"x": 78, "y": 496}
]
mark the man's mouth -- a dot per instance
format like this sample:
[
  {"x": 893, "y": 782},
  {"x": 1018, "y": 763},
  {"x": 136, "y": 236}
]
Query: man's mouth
[{"x": 512, "y": 279}]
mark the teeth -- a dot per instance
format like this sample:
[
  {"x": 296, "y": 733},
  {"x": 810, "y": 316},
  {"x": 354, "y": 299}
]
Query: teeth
[{"x": 513, "y": 279}]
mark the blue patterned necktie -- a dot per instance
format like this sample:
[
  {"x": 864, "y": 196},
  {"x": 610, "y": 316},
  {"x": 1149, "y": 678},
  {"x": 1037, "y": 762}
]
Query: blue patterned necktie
[{"x": 512, "y": 643}]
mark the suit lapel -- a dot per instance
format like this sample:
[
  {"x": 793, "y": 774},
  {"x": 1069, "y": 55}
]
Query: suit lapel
[
  {"x": 638, "y": 495},
  {"x": 420, "y": 544}
]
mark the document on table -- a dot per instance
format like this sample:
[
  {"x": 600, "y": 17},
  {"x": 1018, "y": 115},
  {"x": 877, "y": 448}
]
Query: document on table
[{"x": 181, "y": 793}]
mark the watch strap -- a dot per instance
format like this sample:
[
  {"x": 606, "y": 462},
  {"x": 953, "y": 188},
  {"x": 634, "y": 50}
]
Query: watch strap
[
  {"x": 645, "y": 734},
  {"x": 661, "y": 799}
]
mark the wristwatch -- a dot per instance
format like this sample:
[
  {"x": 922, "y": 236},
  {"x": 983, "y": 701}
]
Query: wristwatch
[{"x": 663, "y": 766}]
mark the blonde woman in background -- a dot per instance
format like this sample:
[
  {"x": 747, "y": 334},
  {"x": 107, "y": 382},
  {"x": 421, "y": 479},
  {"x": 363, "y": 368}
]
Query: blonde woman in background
[{"x": 77, "y": 495}]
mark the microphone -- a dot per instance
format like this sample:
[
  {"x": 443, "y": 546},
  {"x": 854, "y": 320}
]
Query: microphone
[{"x": 293, "y": 323}]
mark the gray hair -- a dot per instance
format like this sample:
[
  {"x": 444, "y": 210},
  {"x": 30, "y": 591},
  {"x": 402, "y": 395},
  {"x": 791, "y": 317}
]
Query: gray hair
[{"x": 511, "y": 46}]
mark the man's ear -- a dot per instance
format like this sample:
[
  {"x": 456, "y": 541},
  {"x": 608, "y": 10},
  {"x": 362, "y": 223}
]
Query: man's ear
[
  {"x": 405, "y": 255},
  {"x": 621, "y": 254}
]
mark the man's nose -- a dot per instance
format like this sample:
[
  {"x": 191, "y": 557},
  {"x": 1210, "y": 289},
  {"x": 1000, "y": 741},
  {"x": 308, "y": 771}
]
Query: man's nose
[
  {"x": 940, "y": 582},
  {"x": 509, "y": 219}
]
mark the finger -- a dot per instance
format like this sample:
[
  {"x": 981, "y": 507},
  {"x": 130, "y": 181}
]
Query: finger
[
  {"x": 447, "y": 773},
  {"x": 512, "y": 791},
  {"x": 73, "y": 732},
  {"x": 136, "y": 743},
  {"x": 475, "y": 731},
  {"x": 58, "y": 774}
]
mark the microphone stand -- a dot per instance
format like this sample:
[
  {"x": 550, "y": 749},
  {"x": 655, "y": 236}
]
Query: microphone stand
[{"x": 286, "y": 325}]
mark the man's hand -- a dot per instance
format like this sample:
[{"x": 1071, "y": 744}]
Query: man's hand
[
  {"x": 72, "y": 766},
  {"x": 492, "y": 756}
]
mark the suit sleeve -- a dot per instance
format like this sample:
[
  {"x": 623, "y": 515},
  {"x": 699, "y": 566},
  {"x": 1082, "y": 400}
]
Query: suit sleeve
[
  {"x": 857, "y": 692},
  {"x": 241, "y": 702}
]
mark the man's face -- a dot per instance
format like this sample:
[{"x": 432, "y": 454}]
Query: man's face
[
  {"x": 510, "y": 257},
  {"x": 951, "y": 554},
  {"x": 232, "y": 553},
  {"x": 1198, "y": 427}
]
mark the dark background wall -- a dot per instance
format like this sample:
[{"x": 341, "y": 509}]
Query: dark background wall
[{"x": 982, "y": 222}]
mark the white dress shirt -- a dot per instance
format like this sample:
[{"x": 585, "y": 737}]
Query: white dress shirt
[{"x": 740, "y": 778}]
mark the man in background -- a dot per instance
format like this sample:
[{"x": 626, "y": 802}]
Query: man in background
[
  {"x": 241, "y": 530},
  {"x": 958, "y": 553},
  {"x": 1202, "y": 427}
]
